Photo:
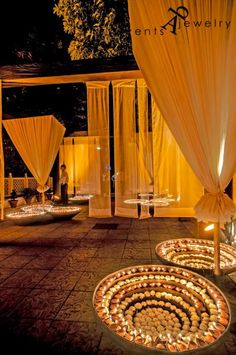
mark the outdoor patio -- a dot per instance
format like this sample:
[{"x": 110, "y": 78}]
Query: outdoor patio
[{"x": 48, "y": 274}]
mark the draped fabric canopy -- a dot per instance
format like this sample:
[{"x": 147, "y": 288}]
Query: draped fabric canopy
[
  {"x": 37, "y": 140},
  {"x": 186, "y": 51}
]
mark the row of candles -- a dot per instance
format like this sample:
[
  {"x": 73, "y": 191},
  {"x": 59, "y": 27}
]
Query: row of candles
[{"x": 40, "y": 211}]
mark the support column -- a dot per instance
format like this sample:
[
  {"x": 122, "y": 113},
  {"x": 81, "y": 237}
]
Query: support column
[{"x": 1, "y": 161}]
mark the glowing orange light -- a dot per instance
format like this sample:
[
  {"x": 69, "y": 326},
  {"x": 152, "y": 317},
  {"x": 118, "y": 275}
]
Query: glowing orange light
[{"x": 210, "y": 227}]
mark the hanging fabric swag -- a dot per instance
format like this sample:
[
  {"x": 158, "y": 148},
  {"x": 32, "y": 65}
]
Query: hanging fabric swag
[{"x": 37, "y": 140}]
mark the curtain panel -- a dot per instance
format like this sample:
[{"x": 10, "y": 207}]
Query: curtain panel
[
  {"x": 98, "y": 126},
  {"x": 191, "y": 73},
  {"x": 67, "y": 157},
  {"x": 1, "y": 160},
  {"x": 83, "y": 164},
  {"x": 145, "y": 154},
  {"x": 81, "y": 167},
  {"x": 126, "y": 176},
  {"x": 172, "y": 173},
  {"x": 37, "y": 140}
]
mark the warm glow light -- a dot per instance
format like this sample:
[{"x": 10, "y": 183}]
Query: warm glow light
[
  {"x": 80, "y": 198},
  {"x": 221, "y": 156},
  {"x": 162, "y": 307},
  {"x": 210, "y": 227},
  {"x": 196, "y": 254},
  {"x": 55, "y": 197}
]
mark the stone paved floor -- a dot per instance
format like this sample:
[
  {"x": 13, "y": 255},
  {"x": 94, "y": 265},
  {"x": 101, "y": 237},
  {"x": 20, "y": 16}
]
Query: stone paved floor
[{"x": 48, "y": 274}]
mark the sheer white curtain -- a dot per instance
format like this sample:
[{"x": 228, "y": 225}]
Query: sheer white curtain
[
  {"x": 192, "y": 76},
  {"x": 98, "y": 127},
  {"x": 190, "y": 70},
  {"x": 125, "y": 146},
  {"x": 172, "y": 173},
  {"x": 144, "y": 144},
  {"x": 67, "y": 157}
]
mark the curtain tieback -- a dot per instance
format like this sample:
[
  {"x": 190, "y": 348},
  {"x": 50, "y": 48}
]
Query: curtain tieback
[
  {"x": 215, "y": 207},
  {"x": 42, "y": 188}
]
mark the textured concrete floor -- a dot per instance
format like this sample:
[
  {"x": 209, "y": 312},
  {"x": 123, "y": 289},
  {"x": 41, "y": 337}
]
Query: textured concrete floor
[{"x": 48, "y": 274}]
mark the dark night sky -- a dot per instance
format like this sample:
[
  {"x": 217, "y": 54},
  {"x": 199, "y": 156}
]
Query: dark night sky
[
  {"x": 30, "y": 25},
  {"x": 32, "y": 33}
]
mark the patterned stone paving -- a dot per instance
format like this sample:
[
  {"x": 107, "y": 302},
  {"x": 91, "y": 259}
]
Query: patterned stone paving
[{"x": 48, "y": 274}]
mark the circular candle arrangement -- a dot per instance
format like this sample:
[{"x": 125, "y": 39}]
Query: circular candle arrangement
[
  {"x": 147, "y": 195},
  {"x": 25, "y": 218},
  {"x": 158, "y": 201},
  {"x": 196, "y": 254},
  {"x": 134, "y": 201},
  {"x": 63, "y": 212},
  {"x": 162, "y": 308},
  {"x": 80, "y": 199},
  {"x": 36, "y": 208}
]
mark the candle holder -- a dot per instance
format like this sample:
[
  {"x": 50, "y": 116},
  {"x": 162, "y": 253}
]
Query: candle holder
[
  {"x": 196, "y": 254},
  {"x": 134, "y": 201},
  {"x": 63, "y": 212},
  {"x": 22, "y": 218},
  {"x": 80, "y": 199},
  {"x": 36, "y": 208},
  {"x": 157, "y": 201},
  {"x": 161, "y": 309}
]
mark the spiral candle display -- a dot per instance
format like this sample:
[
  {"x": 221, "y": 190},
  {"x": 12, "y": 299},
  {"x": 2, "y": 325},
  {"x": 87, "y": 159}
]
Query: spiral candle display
[
  {"x": 196, "y": 253},
  {"x": 162, "y": 308}
]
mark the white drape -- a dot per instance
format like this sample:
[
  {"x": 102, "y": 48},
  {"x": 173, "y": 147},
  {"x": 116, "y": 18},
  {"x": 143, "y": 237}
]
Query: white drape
[
  {"x": 98, "y": 126},
  {"x": 145, "y": 154},
  {"x": 125, "y": 147},
  {"x": 37, "y": 140},
  {"x": 172, "y": 174},
  {"x": 192, "y": 76}
]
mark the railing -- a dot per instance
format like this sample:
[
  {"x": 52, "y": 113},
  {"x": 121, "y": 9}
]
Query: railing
[{"x": 20, "y": 183}]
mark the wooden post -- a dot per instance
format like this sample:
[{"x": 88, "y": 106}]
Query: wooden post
[
  {"x": 43, "y": 199},
  {"x": 217, "y": 270},
  {"x": 2, "y": 177},
  {"x": 10, "y": 183},
  {"x": 26, "y": 182}
]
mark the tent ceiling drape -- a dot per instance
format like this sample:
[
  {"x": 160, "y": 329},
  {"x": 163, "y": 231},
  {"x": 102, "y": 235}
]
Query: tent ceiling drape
[{"x": 71, "y": 79}]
